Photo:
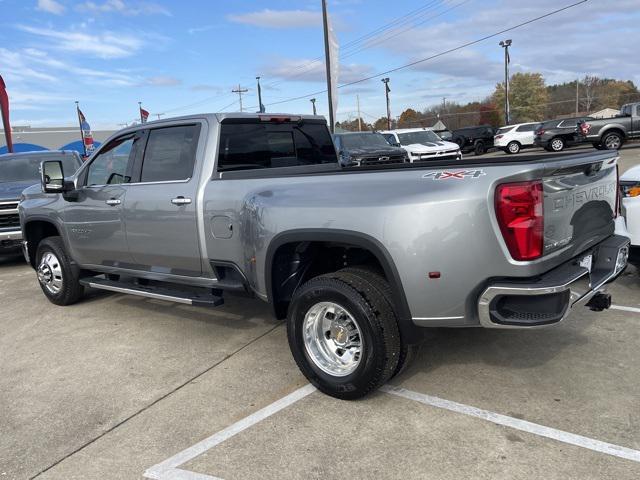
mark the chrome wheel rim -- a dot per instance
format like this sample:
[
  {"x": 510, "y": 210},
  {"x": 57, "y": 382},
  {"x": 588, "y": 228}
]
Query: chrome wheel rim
[
  {"x": 612, "y": 142},
  {"x": 332, "y": 339},
  {"x": 514, "y": 148},
  {"x": 50, "y": 273},
  {"x": 557, "y": 145}
]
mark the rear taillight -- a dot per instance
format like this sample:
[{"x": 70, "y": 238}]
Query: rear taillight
[
  {"x": 498, "y": 137},
  {"x": 584, "y": 128},
  {"x": 540, "y": 132},
  {"x": 520, "y": 212}
]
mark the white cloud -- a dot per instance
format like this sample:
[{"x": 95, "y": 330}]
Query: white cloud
[
  {"x": 50, "y": 6},
  {"x": 105, "y": 44},
  {"x": 279, "y": 18},
  {"x": 163, "y": 81},
  {"x": 119, "y": 6}
]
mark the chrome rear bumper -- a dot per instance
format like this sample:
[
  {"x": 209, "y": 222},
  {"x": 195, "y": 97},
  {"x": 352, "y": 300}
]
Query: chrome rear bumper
[{"x": 550, "y": 298}]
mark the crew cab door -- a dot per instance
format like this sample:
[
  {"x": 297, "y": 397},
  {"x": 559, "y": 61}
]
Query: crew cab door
[
  {"x": 93, "y": 222},
  {"x": 160, "y": 211}
]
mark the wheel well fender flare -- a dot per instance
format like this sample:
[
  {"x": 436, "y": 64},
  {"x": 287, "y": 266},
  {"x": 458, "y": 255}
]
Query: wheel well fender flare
[
  {"x": 613, "y": 128},
  {"x": 47, "y": 229},
  {"x": 349, "y": 237}
]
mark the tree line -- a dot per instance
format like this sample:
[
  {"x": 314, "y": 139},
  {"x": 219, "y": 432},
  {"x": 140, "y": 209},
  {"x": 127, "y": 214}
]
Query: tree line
[{"x": 531, "y": 100}]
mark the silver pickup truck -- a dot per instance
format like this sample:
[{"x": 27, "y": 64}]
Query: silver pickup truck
[{"x": 359, "y": 260}]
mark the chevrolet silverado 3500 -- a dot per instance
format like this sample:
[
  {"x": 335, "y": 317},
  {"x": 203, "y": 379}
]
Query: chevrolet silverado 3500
[{"x": 360, "y": 261}]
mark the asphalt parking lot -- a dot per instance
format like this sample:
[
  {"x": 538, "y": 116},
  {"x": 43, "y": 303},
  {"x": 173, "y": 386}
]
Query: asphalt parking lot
[{"x": 124, "y": 387}]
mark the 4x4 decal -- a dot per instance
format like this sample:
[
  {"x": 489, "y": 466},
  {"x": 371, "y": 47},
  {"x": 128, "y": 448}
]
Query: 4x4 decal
[{"x": 458, "y": 175}]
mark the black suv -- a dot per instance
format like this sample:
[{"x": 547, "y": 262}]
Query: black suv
[
  {"x": 474, "y": 139},
  {"x": 367, "y": 148},
  {"x": 556, "y": 135}
]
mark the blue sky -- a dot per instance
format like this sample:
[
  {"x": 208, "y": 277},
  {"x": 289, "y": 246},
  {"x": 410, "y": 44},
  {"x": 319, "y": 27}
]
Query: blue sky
[{"x": 186, "y": 57}]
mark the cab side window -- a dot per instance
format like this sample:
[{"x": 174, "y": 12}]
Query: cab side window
[
  {"x": 111, "y": 164},
  {"x": 170, "y": 153}
]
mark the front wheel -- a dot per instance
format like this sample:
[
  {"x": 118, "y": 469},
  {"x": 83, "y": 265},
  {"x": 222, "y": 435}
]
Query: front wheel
[
  {"x": 343, "y": 334},
  {"x": 57, "y": 276}
]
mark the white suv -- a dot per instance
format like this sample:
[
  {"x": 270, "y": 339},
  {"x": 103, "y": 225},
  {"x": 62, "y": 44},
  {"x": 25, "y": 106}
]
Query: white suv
[
  {"x": 514, "y": 138},
  {"x": 422, "y": 144}
]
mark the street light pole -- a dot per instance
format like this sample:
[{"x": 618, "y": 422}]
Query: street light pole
[
  {"x": 313, "y": 102},
  {"x": 261, "y": 106},
  {"x": 507, "y": 60},
  {"x": 386, "y": 91},
  {"x": 325, "y": 23}
]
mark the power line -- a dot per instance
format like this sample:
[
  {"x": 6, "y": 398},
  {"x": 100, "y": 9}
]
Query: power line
[
  {"x": 445, "y": 52},
  {"x": 409, "y": 17},
  {"x": 368, "y": 41}
]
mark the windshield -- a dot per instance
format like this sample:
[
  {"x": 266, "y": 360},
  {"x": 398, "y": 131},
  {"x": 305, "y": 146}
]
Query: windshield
[
  {"x": 423, "y": 136},
  {"x": 26, "y": 168},
  {"x": 356, "y": 140}
]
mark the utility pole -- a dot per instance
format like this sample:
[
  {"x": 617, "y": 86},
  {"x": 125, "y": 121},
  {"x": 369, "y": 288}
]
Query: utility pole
[
  {"x": 240, "y": 91},
  {"x": 386, "y": 91},
  {"x": 261, "y": 106},
  {"x": 325, "y": 24},
  {"x": 158, "y": 115},
  {"x": 313, "y": 102},
  {"x": 359, "y": 119},
  {"x": 507, "y": 60},
  {"x": 577, "y": 97},
  {"x": 444, "y": 103}
]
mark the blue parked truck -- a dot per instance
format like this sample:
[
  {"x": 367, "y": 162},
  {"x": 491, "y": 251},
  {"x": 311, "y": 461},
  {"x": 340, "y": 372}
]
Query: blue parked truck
[{"x": 17, "y": 172}]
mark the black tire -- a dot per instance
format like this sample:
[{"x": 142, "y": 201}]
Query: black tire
[
  {"x": 598, "y": 146},
  {"x": 612, "y": 141},
  {"x": 557, "y": 144},
  {"x": 372, "y": 311},
  {"x": 513, "y": 147},
  {"x": 461, "y": 141},
  {"x": 479, "y": 148},
  {"x": 70, "y": 290},
  {"x": 407, "y": 352}
]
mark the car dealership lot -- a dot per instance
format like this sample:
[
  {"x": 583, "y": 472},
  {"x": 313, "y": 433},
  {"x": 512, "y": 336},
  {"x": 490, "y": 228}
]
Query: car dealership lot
[{"x": 117, "y": 386}]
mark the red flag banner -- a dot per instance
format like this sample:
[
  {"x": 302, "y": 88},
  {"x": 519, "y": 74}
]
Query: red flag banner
[
  {"x": 144, "y": 115},
  {"x": 87, "y": 137},
  {"x": 4, "y": 109}
]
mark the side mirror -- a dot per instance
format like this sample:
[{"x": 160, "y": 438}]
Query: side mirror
[{"x": 52, "y": 176}]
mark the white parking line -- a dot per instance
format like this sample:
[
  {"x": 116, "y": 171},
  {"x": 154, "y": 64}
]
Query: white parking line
[
  {"x": 168, "y": 469},
  {"x": 523, "y": 425},
  {"x": 625, "y": 309}
]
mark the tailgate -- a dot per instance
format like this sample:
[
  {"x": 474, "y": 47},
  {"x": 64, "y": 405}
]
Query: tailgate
[{"x": 579, "y": 203}]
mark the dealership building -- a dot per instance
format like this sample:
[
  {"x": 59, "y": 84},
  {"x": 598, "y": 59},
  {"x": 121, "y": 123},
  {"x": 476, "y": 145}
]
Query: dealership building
[{"x": 28, "y": 139}]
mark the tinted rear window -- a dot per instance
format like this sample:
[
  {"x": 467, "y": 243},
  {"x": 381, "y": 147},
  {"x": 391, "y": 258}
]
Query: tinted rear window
[
  {"x": 268, "y": 145},
  {"x": 504, "y": 130}
]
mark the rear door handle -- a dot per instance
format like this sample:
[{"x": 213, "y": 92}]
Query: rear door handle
[
  {"x": 113, "y": 202},
  {"x": 181, "y": 200}
]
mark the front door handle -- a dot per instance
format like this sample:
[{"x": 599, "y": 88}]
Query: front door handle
[
  {"x": 113, "y": 202},
  {"x": 181, "y": 200}
]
